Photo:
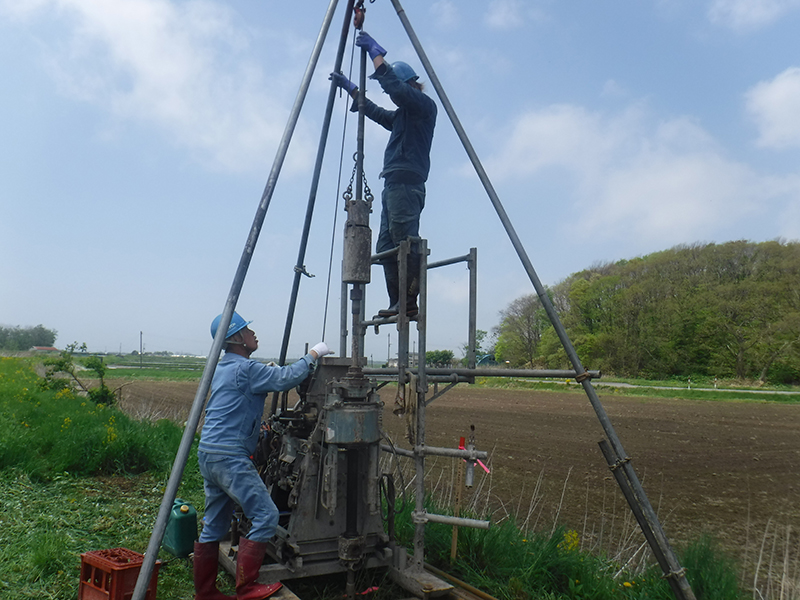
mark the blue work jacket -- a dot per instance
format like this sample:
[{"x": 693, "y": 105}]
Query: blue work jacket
[
  {"x": 411, "y": 125},
  {"x": 238, "y": 390}
]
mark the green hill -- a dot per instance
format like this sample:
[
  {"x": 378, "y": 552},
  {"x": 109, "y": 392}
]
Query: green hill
[{"x": 716, "y": 310}]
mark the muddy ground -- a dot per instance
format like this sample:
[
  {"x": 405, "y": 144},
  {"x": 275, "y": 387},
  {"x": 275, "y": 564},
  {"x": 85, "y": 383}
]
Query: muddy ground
[{"x": 728, "y": 468}]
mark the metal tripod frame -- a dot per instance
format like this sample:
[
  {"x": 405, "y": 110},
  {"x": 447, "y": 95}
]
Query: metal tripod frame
[{"x": 630, "y": 482}]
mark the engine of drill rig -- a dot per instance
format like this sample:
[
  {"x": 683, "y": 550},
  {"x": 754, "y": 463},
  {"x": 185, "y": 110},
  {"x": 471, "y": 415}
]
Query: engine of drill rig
[
  {"x": 320, "y": 461},
  {"x": 287, "y": 441}
]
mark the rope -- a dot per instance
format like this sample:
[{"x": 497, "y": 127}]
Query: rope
[
  {"x": 336, "y": 202},
  {"x": 395, "y": 466}
]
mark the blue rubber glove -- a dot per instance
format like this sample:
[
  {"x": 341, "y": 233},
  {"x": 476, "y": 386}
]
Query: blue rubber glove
[
  {"x": 343, "y": 82},
  {"x": 373, "y": 48}
]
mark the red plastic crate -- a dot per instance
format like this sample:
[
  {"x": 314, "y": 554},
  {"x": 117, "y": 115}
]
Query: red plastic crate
[{"x": 111, "y": 575}]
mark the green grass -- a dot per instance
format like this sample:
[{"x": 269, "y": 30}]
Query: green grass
[
  {"x": 45, "y": 431},
  {"x": 155, "y": 374},
  {"x": 713, "y": 571},
  {"x": 653, "y": 389},
  {"x": 157, "y": 367},
  {"x": 74, "y": 477},
  {"x": 511, "y": 564},
  {"x": 167, "y": 368},
  {"x": 46, "y": 525}
]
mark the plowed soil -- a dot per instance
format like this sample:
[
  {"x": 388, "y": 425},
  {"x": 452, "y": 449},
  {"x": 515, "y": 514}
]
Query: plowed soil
[{"x": 730, "y": 468}]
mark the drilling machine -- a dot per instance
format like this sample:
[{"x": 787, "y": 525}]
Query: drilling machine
[{"x": 320, "y": 458}]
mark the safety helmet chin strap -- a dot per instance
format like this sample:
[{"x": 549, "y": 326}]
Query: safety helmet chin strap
[{"x": 238, "y": 343}]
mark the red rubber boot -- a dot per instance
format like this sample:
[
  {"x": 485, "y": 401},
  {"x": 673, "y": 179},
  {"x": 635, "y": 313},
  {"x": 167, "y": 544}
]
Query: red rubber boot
[
  {"x": 248, "y": 562},
  {"x": 205, "y": 565}
]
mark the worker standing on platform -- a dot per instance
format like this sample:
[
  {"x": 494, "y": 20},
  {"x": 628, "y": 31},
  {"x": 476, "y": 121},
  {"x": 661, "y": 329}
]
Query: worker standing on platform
[
  {"x": 406, "y": 163},
  {"x": 228, "y": 440}
]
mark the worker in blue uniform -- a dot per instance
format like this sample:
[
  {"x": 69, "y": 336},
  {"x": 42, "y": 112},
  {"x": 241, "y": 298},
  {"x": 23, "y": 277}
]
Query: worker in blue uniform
[
  {"x": 406, "y": 163},
  {"x": 228, "y": 440}
]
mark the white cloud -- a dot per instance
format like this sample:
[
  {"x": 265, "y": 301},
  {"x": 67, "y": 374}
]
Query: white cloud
[
  {"x": 445, "y": 14},
  {"x": 564, "y": 136},
  {"x": 749, "y": 14},
  {"x": 665, "y": 196},
  {"x": 21, "y": 9},
  {"x": 613, "y": 89},
  {"x": 775, "y": 106},
  {"x": 181, "y": 67},
  {"x": 627, "y": 177},
  {"x": 510, "y": 14},
  {"x": 504, "y": 14}
]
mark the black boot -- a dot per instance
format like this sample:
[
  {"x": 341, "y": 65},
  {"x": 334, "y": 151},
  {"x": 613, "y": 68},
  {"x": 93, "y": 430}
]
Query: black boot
[{"x": 392, "y": 287}]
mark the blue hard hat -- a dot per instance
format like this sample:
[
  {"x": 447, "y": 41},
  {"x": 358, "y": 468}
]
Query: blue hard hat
[
  {"x": 403, "y": 71},
  {"x": 237, "y": 324}
]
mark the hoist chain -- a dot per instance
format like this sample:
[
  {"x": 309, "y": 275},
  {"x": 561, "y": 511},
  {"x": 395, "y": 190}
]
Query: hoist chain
[{"x": 348, "y": 193}]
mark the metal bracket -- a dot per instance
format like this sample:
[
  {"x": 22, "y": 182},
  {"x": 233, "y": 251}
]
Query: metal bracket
[
  {"x": 676, "y": 574},
  {"x": 302, "y": 271},
  {"x": 444, "y": 391},
  {"x": 619, "y": 463}
]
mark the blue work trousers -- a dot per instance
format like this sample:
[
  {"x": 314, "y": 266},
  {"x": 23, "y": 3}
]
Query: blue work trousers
[
  {"x": 401, "y": 205},
  {"x": 229, "y": 480}
]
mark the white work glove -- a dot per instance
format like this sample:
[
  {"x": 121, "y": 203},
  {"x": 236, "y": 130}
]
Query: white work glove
[{"x": 321, "y": 350}]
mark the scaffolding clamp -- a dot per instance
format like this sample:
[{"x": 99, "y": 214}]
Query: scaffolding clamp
[
  {"x": 621, "y": 462},
  {"x": 302, "y": 271},
  {"x": 676, "y": 574},
  {"x": 583, "y": 376}
]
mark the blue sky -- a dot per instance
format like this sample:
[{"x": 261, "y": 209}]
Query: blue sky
[{"x": 138, "y": 136}]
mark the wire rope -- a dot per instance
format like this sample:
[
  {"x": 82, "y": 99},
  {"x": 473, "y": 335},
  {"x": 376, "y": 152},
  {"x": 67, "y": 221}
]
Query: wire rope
[
  {"x": 400, "y": 476},
  {"x": 336, "y": 202}
]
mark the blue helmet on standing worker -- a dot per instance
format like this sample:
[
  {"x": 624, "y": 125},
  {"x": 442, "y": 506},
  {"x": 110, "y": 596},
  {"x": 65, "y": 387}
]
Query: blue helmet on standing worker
[
  {"x": 403, "y": 71},
  {"x": 237, "y": 324}
]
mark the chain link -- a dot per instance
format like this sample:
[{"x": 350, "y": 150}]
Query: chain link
[{"x": 348, "y": 193}]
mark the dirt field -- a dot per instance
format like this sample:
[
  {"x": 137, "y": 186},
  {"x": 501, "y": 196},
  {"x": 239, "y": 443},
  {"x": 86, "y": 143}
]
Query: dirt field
[{"x": 730, "y": 468}]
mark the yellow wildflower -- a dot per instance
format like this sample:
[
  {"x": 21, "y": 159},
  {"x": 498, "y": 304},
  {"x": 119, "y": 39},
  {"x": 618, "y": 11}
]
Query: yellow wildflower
[
  {"x": 112, "y": 433},
  {"x": 63, "y": 393},
  {"x": 570, "y": 542}
]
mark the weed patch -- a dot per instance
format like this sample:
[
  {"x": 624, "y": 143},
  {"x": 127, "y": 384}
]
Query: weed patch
[{"x": 45, "y": 431}]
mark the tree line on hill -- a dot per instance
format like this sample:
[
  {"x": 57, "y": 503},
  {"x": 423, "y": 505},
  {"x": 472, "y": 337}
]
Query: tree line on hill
[
  {"x": 721, "y": 310},
  {"x": 19, "y": 339}
]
